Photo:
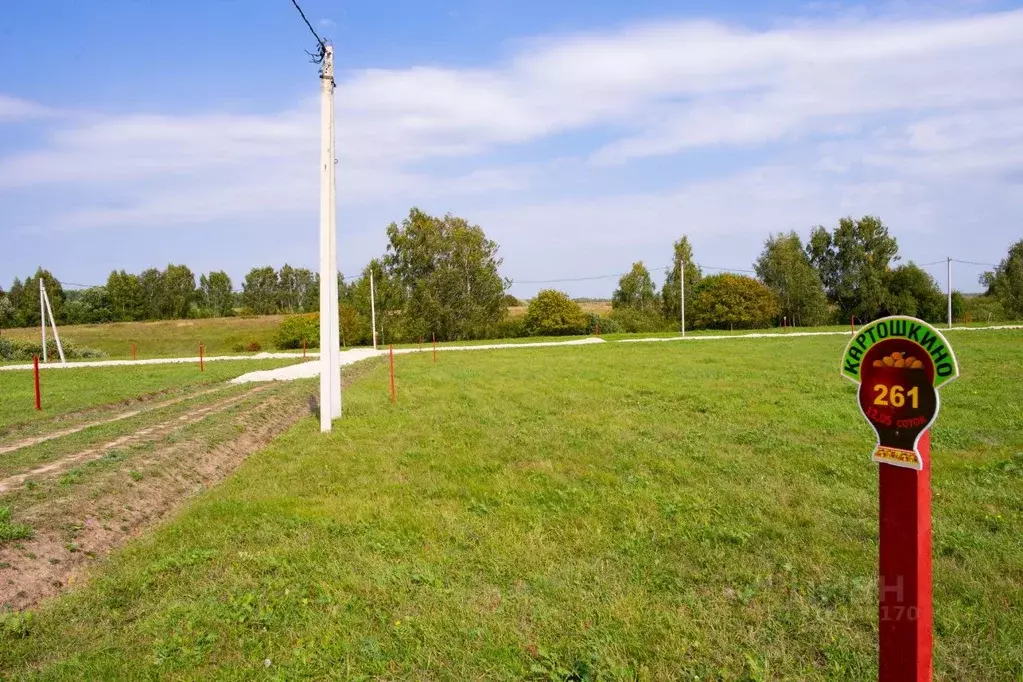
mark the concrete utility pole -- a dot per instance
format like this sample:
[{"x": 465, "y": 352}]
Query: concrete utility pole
[
  {"x": 330, "y": 371},
  {"x": 682, "y": 293},
  {"x": 42, "y": 315},
  {"x": 949, "y": 292},
  {"x": 373, "y": 306}
]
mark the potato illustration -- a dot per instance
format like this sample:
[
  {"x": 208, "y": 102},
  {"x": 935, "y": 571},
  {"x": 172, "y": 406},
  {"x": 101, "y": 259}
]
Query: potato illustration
[
  {"x": 917, "y": 365},
  {"x": 878, "y": 363},
  {"x": 910, "y": 360},
  {"x": 887, "y": 361}
]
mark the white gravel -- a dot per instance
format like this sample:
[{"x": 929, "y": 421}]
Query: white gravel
[{"x": 307, "y": 370}]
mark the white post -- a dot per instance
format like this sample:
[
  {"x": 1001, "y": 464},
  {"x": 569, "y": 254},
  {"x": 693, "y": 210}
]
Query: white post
[
  {"x": 42, "y": 315},
  {"x": 329, "y": 372},
  {"x": 682, "y": 293},
  {"x": 53, "y": 323},
  {"x": 335, "y": 331},
  {"x": 949, "y": 292},
  {"x": 373, "y": 306}
]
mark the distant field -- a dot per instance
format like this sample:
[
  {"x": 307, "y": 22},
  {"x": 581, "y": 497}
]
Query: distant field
[
  {"x": 598, "y": 307},
  {"x": 658, "y": 511},
  {"x": 165, "y": 338}
]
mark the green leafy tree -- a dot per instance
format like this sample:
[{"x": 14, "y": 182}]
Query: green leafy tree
[
  {"x": 553, "y": 313},
  {"x": 151, "y": 285},
  {"x": 349, "y": 325},
  {"x": 1005, "y": 282},
  {"x": 179, "y": 292},
  {"x": 786, "y": 269},
  {"x": 6, "y": 312},
  {"x": 14, "y": 297},
  {"x": 729, "y": 301},
  {"x": 389, "y": 299},
  {"x": 913, "y": 292},
  {"x": 125, "y": 297},
  {"x": 261, "y": 291},
  {"x": 216, "y": 293},
  {"x": 635, "y": 290},
  {"x": 446, "y": 271},
  {"x": 671, "y": 302},
  {"x": 28, "y": 298},
  {"x": 87, "y": 306},
  {"x": 854, "y": 264}
]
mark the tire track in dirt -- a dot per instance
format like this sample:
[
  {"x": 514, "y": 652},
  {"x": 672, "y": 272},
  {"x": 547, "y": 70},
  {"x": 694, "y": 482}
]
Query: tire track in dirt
[
  {"x": 36, "y": 440},
  {"x": 77, "y": 529},
  {"x": 148, "y": 433}
]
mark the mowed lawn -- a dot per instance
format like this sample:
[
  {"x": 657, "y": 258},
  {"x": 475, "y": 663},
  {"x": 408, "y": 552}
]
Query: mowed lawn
[
  {"x": 662, "y": 511},
  {"x": 78, "y": 388}
]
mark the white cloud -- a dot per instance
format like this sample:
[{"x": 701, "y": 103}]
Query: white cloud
[{"x": 869, "y": 115}]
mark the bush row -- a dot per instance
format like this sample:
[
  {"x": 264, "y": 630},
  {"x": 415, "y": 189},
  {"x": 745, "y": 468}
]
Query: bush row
[{"x": 24, "y": 350}]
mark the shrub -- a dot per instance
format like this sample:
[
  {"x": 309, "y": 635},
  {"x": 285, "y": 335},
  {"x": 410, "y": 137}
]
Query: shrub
[
  {"x": 508, "y": 328},
  {"x": 636, "y": 321},
  {"x": 511, "y": 302},
  {"x": 253, "y": 346},
  {"x": 729, "y": 301},
  {"x": 607, "y": 324},
  {"x": 295, "y": 328},
  {"x": 553, "y": 313},
  {"x": 24, "y": 350}
]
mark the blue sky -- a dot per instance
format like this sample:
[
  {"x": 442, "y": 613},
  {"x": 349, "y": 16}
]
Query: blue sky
[{"x": 582, "y": 136}]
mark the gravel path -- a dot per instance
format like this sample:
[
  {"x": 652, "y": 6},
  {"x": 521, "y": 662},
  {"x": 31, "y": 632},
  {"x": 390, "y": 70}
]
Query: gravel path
[{"x": 307, "y": 370}]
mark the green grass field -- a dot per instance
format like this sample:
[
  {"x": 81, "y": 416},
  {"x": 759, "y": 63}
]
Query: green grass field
[
  {"x": 626, "y": 511},
  {"x": 165, "y": 338},
  {"x": 70, "y": 390}
]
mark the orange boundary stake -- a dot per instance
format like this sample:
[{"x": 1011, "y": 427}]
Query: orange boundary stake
[
  {"x": 852, "y": 324},
  {"x": 598, "y": 329},
  {"x": 394, "y": 398},
  {"x": 35, "y": 367},
  {"x": 435, "y": 348},
  {"x": 202, "y": 367},
  {"x": 134, "y": 355},
  {"x": 303, "y": 348}
]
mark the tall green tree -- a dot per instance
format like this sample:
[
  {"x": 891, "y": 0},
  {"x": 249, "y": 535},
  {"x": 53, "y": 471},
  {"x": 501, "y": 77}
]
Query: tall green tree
[
  {"x": 854, "y": 263},
  {"x": 87, "y": 306},
  {"x": 635, "y": 290},
  {"x": 671, "y": 303},
  {"x": 447, "y": 273},
  {"x": 1005, "y": 282},
  {"x": 786, "y": 269},
  {"x": 179, "y": 292},
  {"x": 553, "y": 313},
  {"x": 6, "y": 312},
  {"x": 296, "y": 286},
  {"x": 261, "y": 290},
  {"x": 124, "y": 296},
  {"x": 28, "y": 298},
  {"x": 913, "y": 292},
  {"x": 153, "y": 293},
  {"x": 728, "y": 301},
  {"x": 216, "y": 293}
]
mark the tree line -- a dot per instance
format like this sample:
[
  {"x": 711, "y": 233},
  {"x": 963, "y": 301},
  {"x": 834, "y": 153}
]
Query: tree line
[
  {"x": 850, "y": 272},
  {"x": 440, "y": 276}
]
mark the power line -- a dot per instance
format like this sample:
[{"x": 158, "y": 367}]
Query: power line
[
  {"x": 970, "y": 262},
  {"x": 321, "y": 46}
]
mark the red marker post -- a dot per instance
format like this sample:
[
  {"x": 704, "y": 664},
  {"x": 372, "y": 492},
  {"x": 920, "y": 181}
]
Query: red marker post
[
  {"x": 35, "y": 368},
  {"x": 134, "y": 355},
  {"x": 393, "y": 396},
  {"x": 303, "y": 348},
  {"x": 899, "y": 364},
  {"x": 435, "y": 348},
  {"x": 202, "y": 367}
]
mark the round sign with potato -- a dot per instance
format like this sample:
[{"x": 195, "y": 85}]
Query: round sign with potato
[{"x": 899, "y": 364}]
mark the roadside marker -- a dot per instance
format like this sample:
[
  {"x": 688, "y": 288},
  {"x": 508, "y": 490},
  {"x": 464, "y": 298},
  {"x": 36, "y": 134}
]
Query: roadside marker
[
  {"x": 35, "y": 367},
  {"x": 202, "y": 368},
  {"x": 899, "y": 364},
  {"x": 134, "y": 355},
  {"x": 303, "y": 348},
  {"x": 435, "y": 347},
  {"x": 393, "y": 397}
]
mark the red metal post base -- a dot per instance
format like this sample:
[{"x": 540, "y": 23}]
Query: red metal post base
[{"x": 905, "y": 613}]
